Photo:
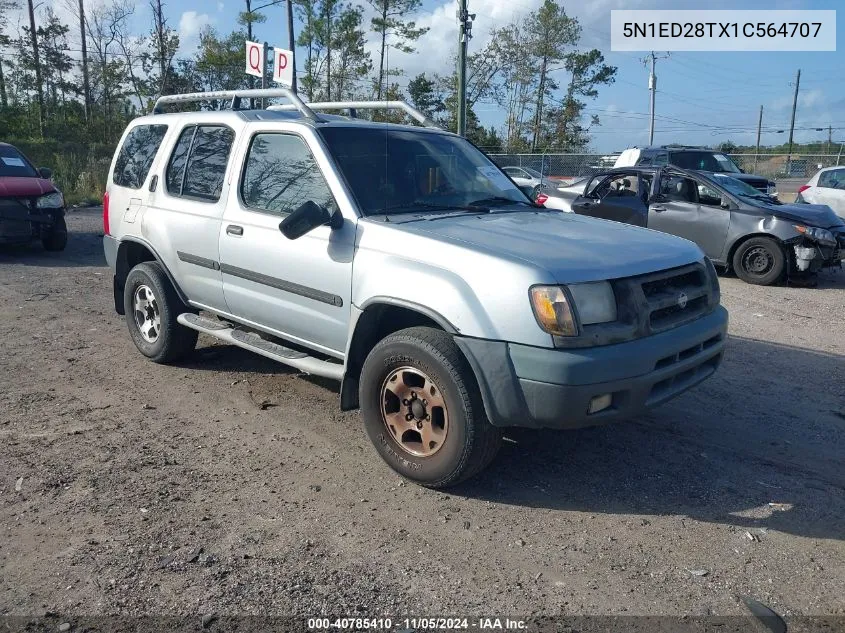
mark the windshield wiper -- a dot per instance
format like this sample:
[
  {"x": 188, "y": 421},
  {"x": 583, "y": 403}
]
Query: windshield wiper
[
  {"x": 415, "y": 207},
  {"x": 484, "y": 202}
]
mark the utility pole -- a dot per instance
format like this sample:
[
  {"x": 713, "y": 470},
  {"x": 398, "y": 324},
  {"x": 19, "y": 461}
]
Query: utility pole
[
  {"x": 34, "y": 39},
  {"x": 86, "y": 82},
  {"x": 652, "y": 87},
  {"x": 792, "y": 123},
  {"x": 464, "y": 35},
  {"x": 264, "y": 74},
  {"x": 292, "y": 44},
  {"x": 759, "y": 129},
  {"x": 829, "y": 138}
]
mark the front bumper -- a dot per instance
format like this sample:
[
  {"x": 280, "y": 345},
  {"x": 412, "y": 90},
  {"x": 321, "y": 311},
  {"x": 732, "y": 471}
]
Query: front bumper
[
  {"x": 553, "y": 388},
  {"x": 21, "y": 225}
]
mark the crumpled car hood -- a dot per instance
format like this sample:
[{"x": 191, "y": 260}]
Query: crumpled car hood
[
  {"x": 22, "y": 187},
  {"x": 819, "y": 215},
  {"x": 572, "y": 248}
]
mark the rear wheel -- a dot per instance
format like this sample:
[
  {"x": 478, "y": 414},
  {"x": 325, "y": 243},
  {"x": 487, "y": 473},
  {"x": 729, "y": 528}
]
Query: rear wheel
[
  {"x": 56, "y": 239},
  {"x": 422, "y": 409},
  {"x": 759, "y": 261},
  {"x": 152, "y": 306}
]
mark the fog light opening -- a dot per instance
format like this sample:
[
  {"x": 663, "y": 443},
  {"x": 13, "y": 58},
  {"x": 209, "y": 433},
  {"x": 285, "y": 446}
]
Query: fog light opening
[{"x": 600, "y": 403}]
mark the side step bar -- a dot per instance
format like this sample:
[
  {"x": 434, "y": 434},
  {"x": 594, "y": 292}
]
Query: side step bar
[{"x": 254, "y": 343}]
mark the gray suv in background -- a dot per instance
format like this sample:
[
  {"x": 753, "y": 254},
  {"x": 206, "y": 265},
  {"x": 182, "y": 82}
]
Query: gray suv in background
[
  {"x": 694, "y": 159},
  {"x": 402, "y": 262}
]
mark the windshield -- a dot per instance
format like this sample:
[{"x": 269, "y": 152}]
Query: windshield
[
  {"x": 13, "y": 163},
  {"x": 395, "y": 171},
  {"x": 738, "y": 188},
  {"x": 704, "y": 161}
]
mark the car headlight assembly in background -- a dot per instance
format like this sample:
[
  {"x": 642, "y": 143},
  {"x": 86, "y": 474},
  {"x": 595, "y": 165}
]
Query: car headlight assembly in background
[
  {"x": 53, "y": 200},
  {"x": 553, "y": 306},
  {"x": 822, "y": 236}
]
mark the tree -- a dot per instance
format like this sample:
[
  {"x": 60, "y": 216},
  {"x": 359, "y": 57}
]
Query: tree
[
  {"x": 550, "y": 31},
  {"x": 389, "y": 22},
  {"x": 165, "y": 43},
  {"x": 37, "y": 65},
  {"x": 6, "y": 8},
  {"x": 353, "y": 61},
  {"x": 425, "y": 97}
]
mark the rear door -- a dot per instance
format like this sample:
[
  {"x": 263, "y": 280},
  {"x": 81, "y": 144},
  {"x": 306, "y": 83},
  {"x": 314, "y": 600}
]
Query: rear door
[
  {"x": 186, "y": 210},
  {"x": 620, "y": 197},
  {"x": 692, "y": 210},
  {"x": 299, "y": 288}
]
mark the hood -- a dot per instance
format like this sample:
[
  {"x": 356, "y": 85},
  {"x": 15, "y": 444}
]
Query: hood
[
  {"x": 572, "y": 248},
  {"x": 22, "y": 187},
  {"x": 819, "y": 215}
]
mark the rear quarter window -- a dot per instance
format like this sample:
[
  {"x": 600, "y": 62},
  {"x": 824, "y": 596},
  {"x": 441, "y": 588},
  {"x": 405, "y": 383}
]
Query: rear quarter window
[{"x": 137, "y": 154}]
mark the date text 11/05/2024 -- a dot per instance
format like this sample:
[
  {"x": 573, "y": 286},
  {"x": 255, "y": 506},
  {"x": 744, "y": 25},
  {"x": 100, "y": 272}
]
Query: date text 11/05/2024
[{"x": 417, "y": 624}]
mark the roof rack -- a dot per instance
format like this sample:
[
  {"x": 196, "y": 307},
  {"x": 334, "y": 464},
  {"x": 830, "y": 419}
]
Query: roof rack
[
  {"x": 236, "y": 96},
  {"x": 353, "y": 106}
]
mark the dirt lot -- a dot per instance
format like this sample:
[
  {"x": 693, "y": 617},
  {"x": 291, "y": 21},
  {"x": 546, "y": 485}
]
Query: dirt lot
[{"x": 232, "y": 485}]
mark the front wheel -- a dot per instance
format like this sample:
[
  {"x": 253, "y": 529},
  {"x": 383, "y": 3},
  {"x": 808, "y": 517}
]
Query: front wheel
[
  {"x": 759, "y": 261},
  {"x": 422, "y": 409},
  {"x": 56, "y": 239}
]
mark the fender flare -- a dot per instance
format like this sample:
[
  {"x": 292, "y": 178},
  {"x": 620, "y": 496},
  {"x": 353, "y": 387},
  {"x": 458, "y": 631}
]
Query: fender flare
[{"x": 122, "y": 274}]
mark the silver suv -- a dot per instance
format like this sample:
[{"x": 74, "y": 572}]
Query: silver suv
[{"x": 401, "y": 261}]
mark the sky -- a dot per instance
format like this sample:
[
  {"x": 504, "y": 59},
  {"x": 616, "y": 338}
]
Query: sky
[{"x": 702, "y": 98}]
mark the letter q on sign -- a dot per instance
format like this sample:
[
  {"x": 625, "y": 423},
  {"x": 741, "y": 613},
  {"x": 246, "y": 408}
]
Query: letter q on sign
[
  {"x": 254, "y": 58},
  {"x": 283, "y": 67}
]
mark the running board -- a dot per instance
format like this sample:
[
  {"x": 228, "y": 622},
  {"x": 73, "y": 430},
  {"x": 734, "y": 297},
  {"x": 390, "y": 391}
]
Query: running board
[{"x": 254, "y": 343}]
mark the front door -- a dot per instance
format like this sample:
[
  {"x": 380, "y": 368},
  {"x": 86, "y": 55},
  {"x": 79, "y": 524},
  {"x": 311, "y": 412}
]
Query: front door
[
  {"x": 619, "y": 197},
  {"x": 691, "y": 210},
  {"x": 299, "y": 288}
]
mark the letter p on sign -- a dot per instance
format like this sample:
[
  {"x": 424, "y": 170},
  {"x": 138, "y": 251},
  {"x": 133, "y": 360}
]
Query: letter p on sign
[{"x": 283, "y": 67}]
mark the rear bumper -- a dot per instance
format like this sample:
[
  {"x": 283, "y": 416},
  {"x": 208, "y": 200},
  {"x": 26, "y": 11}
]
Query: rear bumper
[{"x": 553, "y": 388}]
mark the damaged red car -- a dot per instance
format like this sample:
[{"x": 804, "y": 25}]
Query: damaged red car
[{"x": 31, "y": 207}]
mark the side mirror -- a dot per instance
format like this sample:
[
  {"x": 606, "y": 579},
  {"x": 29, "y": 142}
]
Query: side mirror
[
  {"x": 307, "y": 218},
  {"x": 45, "y": 172},
  {"x": 726, "y": 204}
]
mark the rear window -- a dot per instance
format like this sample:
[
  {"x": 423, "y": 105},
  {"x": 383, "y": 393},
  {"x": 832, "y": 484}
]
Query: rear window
[
  {"x": 137, "y": 154},
  {"x": 197, "y": 167},
  {"x": 835, "y": 179},
  {"x": 13, "y": 163}
]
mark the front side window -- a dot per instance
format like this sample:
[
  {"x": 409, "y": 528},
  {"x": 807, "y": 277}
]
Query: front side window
[
  {"x": 281, "y": 174},
  {"x": 678, "y": 189},
  {"x": 197, "y": 167},
  {"x": 137, "y": 154},
  {"x": 396, "y": 171}
]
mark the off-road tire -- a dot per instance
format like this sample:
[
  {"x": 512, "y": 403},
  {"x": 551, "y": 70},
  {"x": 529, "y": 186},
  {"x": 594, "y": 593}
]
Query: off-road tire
[
  {"x": 471, "y": 442},
  {"x": 173, "y": 340},
  {"x": 56, "y": 239},
  {"x": 771, "y": 249}
]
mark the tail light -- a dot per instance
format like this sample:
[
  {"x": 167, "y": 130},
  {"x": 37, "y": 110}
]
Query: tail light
[
  {"x": 803, "y": 188},
  {"x": 106, "y": 213},
  {"x": 541, "y": 198}
]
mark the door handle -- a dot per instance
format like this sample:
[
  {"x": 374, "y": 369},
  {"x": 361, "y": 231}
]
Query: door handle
[
  {"x": 658, "y": 209},
  {"x": 233, "y": 229}
]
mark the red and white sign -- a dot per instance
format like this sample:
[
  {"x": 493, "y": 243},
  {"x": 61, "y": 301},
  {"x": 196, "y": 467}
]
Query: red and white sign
[
  {"x": 254, "y": 58},
  {"x": 283, "y": 67}
]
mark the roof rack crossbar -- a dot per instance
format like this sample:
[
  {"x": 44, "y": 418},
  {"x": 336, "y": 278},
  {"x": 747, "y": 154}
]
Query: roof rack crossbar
[
  {"x": 353, "y": 106},
  {"x": 235, "y": 96}
]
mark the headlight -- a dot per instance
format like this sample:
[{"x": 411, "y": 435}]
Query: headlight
[
  {"x": 553, "y": 307},
  {"x": 595, "y": 302},
  {"x": 552, "y": 310},
  {"x": 51, "y": 201},
  {"x": 822, "y": 236}
]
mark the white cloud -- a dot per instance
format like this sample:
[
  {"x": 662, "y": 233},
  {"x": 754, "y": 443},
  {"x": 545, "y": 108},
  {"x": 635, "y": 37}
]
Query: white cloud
[{"x": 190, "y": 25}]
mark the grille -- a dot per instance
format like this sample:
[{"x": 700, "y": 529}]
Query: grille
[
  {"x": 14, "y": 220},
  {"x": 675, "y": 297}
]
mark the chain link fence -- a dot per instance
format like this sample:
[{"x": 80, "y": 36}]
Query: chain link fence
[{"x": 571, "y": 166}]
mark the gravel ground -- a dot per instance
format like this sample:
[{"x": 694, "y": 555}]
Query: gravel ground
[{"x": 229, "y": 484}]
